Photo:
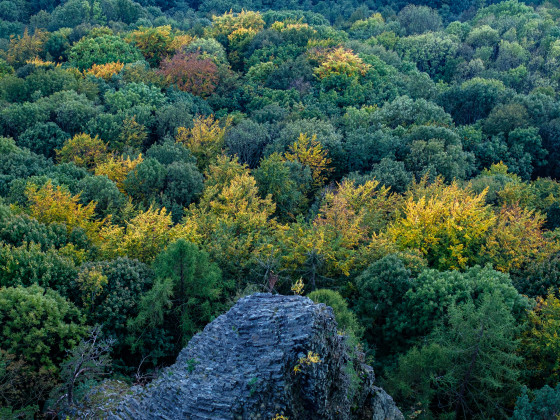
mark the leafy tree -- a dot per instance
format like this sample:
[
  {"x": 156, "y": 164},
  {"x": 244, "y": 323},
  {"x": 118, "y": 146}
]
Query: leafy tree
[
  {"x": 43, "y": 138},
  {"x": 392, "y": 174},
  {"x": 154, "y": 43},
  {"x": 234, "y": 222},
  {"x": 185, "y": 295},
  {"x": 288, "y": 183},
  {"x": 419, "y": 19},
  {"x": 50, "y": 204},
  {"x": 117, "y": 169},
  {"x": 406, "y": 111},
  {"x": 105, "y": 71},
  {"x": 448, "y": 228},
  {"x": 340, "y": 64},
  {"x": 83, "y": 150},
  {"x": 432, "y": 52},
  {"x": 205, "y": 139},
  {"x": 538, "y": 277},
  {"x": 26, "y": 47},
  {"x": 544, "y": 405},
  {"x": 38, "y": 324},
  {"x": 102, "y": 50},
  {"x": 345, "y": 318},
  {"x": 437, "y": 151},
  {"x": 473, "y": 99},
  {"x": 28, "y": 264},
  {"x": 142, "y": 238},
  {"x": 191, "y": 73},
  {"x": 247, "y": 141},
  {"x": 540, "y": 342},
  {"x": 104, "y": 193},
  {"x": 309, "y": 152},
  {"x": 516, "y": 240}
]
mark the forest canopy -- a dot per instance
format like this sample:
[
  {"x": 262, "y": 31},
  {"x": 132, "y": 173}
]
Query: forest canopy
[{"x": 161, "y": 159}]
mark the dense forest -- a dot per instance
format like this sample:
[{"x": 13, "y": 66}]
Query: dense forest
[{"x": 399, "y": 162}]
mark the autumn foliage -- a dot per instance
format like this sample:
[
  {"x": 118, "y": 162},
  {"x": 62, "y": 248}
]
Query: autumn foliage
[{"x": 191, "y": 73}]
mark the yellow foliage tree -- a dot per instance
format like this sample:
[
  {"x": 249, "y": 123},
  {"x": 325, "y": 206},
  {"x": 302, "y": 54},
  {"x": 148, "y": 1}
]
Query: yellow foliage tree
[
  {"x": 154, "y": 43},
  {"x": 448, "y": 229},
  {"x": 341, "y": 61},
  {"x": 236, "y": 30},
  {"x": 83, "y": 150},
  {"x": 180, "y": 40},
  {"x": 358, "y": 211},
  {"x": 234, "y": 223},
  {"x": 49, "y": 204},
  {"x": 309, "y": 152},
  {"x": 132, "y": 135},
  {"x": 311, "y": 250},
  {"x": 26, "y": 47},
  {"x": 230, "y": 22},
  {"x": 516, "y": 239},
  {"x": 540, "y": 344},
  {"x": 91, "y": 282},
  {"x": 143, "y": 237},
  {"x": 105, "y": 71},
  {"x": 205, "y": 139},
  {"x": 116, "y": 169}
]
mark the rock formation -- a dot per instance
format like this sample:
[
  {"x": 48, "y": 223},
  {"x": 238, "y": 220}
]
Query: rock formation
[{"x": 269, "y": 355}]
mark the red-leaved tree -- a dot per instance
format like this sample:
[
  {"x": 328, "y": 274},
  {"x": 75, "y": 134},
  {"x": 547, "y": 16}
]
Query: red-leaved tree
[{"x": 191, "y": 72}]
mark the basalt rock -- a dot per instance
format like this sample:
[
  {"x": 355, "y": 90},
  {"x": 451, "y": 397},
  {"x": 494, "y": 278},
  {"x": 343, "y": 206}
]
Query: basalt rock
[{"x": 269, "y": 355}]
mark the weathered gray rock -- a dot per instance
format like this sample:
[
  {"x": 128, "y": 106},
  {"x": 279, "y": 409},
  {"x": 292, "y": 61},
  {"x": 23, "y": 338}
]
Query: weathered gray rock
[{"x": 242, "y": 367}]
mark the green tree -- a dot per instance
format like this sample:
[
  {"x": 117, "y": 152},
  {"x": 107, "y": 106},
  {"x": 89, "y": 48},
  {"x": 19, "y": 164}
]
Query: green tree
[
  {"x": 544, "y": 405},
  {"x": 468, "y": 368},
  {"x": 380, "y": 303},
  {"x": 185, "y": 295},
  {"x": 38, "y": 324},
  {"x": 434, "y": 292},
  {"x": 345, "y": 318},
  {"x": 102, "y": 50}
]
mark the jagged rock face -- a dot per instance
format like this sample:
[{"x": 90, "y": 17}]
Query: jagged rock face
[{"x": 242, "y": 367}]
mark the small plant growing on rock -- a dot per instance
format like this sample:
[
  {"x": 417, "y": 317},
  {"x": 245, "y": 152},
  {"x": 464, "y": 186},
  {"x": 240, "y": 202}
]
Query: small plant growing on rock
[
  {"x": 310, "y": 359},
  {"x": 191, "y": 365},
  {"x": 297, "y": 287}
]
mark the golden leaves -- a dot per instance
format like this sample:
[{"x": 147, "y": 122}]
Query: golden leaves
[
  {"x": 49, "y": 204},
  {"x": 205, "y": 139},
  {"x": 341, "y": 61},
  {"x": 309, "y": 152},
  {"x": 83, "y": 150},
  {"x": 105, "y": 71},
  {"x": 117, "y": 169}
]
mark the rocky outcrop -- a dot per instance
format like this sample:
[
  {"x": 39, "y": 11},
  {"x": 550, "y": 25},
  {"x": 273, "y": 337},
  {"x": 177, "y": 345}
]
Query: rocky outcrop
[{"x": 269, "y": 355}]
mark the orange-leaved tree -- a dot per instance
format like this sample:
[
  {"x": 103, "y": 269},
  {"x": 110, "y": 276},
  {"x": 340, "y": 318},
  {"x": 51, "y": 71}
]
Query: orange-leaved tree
[
  {"x": 105, "y": 71},
  {"x": 192, "y": 72}
]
